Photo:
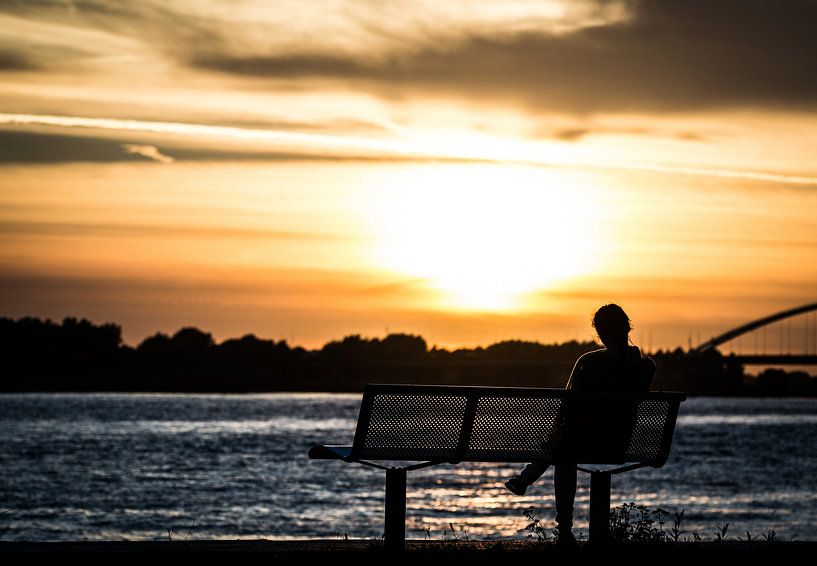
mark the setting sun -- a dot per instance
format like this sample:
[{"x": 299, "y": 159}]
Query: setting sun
[{"x": 484, "y": 236}]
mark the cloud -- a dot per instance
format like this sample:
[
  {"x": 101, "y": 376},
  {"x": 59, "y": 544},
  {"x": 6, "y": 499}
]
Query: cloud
[
  {"x": 192, "y": 144},
  {"x": 31, "y": 147},
  {"x": 579, "y": 57},
  {"x": 571, "y": 134},
  {"x": 160, "y": 231},
  {"x": 204, "y": 143},
  {"x": 15, "y": 61},
  {"x": 576, "y": 134},
  {"x": 368, "y": 28},
  {"x": 149, "y": 151},
  {"x": 275, "y": 138},
  {"x": 672, "y": 56},
  {"x": 579, "y": 133}
]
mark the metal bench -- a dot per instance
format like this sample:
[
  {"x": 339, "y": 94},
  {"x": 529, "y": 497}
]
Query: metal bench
[{"x": 600, "y": 434}]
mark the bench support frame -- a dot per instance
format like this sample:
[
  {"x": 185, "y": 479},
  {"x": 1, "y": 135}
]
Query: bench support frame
[
  {"x": 599, "y": 507},
  {"x": 394, "y": 537},
  {"x": 600, "y": 499}
]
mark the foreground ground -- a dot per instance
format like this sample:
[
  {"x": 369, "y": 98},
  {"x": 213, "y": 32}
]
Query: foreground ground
[{"x": 372, "y": 552}]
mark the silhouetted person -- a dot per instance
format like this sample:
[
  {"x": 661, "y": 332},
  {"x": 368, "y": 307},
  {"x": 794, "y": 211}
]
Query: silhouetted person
[{"x": 616, "y": 368}]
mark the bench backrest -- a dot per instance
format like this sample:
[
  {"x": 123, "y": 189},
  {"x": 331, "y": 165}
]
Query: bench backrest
[{"x": 513, "y": 424}]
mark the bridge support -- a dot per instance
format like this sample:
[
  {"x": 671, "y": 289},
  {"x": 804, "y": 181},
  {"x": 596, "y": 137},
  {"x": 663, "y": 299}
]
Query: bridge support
[
  {"x": 735, "y": 332},
  {"x": 599, "y": 507},
  {"x": 395, "y": 535}
]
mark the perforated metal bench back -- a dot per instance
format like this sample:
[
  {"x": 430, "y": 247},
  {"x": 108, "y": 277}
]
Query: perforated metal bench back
[{"x": 503, "y": 424}]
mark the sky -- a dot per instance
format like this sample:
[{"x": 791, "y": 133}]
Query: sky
[{"x": 469, "y": 171}]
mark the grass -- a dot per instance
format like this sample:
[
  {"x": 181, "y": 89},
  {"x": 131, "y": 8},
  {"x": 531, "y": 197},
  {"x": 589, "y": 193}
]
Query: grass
[{"x": 631, "y": 523}]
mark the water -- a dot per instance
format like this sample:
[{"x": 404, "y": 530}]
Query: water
[{"x": 186, "y": 467}]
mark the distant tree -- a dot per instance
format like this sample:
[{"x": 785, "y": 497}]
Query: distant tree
[
  {"x": 351, "y": 350},
  {"x": 76, "y": 354},
  {"x": 403, "y": 348},
  {"x": 254, "y": 361},
  {"x": 156, "y": 345},
  {"x": 192, "y": 340},
  {"x": 516, "y": 350}
]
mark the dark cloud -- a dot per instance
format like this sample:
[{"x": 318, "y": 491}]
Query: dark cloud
[
  {"x": 114, "y": 230},
  {"x": 15, "y": 61},
  {"x": 31, "y": 147},
  {"x": 570, "y": 134},
  {"x": 580, "y": 133},
  {"x": 669, "y": 56},
  {"x": 295, "y": 66},
  {"x": 672, "y": 56}
]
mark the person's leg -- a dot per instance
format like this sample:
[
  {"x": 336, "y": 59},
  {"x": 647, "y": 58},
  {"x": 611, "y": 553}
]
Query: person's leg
[
  {"x": 533, "y": 472},
  {"x": 564, "y": 483},
  {"x": 520, "y": 482}
]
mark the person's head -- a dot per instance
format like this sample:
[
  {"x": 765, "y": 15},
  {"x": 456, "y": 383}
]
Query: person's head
[{"x": 612, "y": 325}]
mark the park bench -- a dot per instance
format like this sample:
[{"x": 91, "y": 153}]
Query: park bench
[{"x": 600, "y": 434}]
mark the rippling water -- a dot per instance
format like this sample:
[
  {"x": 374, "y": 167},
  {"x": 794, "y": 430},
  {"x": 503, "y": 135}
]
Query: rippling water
[{"x": 147, "y": 467}]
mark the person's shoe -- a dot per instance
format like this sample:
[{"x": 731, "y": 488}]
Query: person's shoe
[{"x": 516, "y": 485}]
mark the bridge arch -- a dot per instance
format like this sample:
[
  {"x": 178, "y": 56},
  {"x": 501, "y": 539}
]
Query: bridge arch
[{"x": 754, "y": 325}]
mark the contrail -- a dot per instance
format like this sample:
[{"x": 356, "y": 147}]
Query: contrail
[
  {"x": 199, "y": 130},
  {"x": 726, "y": 173},
  {"x": 404, "y": 148}
]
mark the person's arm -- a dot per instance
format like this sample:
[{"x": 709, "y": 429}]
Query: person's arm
[
  {"x": 649, "y": 373},
  {"x": 574, "y": 381}
]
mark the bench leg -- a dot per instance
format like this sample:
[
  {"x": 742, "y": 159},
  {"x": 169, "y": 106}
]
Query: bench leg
[
  {"x": 599, "y": 507},
  {"x": 395, "y": 535}
]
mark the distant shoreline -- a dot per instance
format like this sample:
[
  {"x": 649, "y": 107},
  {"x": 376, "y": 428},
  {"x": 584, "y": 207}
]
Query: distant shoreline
[{"x": 80, "y": 356}]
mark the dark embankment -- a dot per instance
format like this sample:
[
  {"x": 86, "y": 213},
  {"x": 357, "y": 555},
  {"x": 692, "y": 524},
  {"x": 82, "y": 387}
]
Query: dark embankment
[{"x": 363, "y": 552}]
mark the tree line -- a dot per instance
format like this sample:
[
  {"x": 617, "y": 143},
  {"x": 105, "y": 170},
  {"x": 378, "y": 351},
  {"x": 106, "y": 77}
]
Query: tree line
[{"x": 78, "y": 355}]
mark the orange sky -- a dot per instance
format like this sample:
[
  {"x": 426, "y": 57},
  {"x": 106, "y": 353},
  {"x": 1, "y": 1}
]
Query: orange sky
[{"x": 470, "y": 175}]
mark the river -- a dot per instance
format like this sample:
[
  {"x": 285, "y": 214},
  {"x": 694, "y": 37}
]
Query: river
[{"x": 188, "y": 467}]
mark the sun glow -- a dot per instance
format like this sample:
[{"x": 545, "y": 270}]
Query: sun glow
[{"x": 485, "y": 236}]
